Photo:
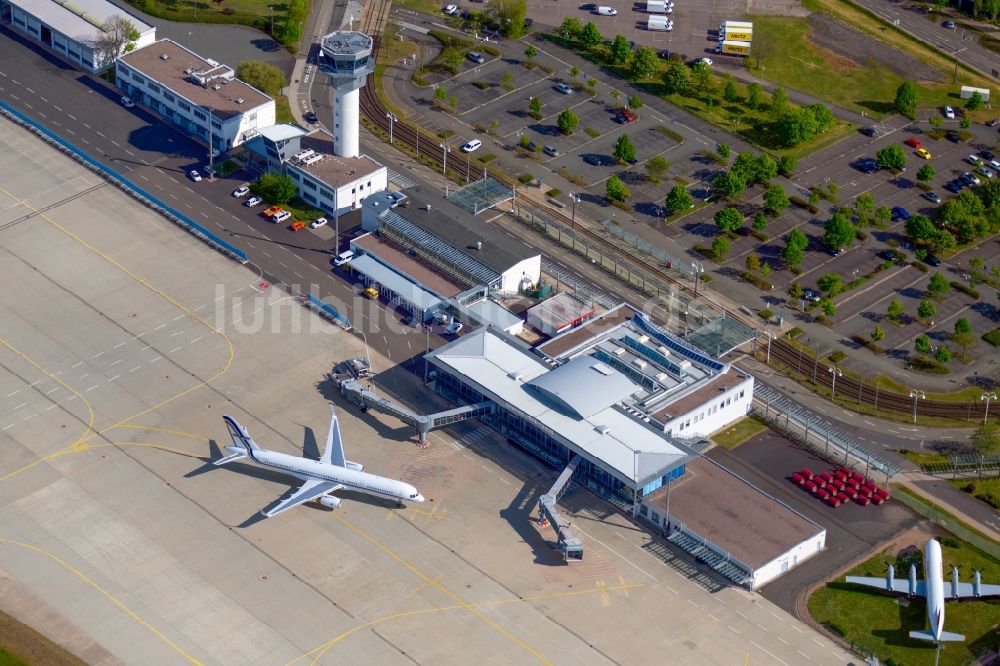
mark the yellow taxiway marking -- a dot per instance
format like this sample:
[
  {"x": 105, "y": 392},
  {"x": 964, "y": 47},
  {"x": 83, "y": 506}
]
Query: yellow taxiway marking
[
  {"x": 603, "y": 591},
  {"x": 107, "y": 595},
  {"x": 425, "y": 584},
  {"x": 320, "y": 650},
  {"x": 621, "y": 581}
]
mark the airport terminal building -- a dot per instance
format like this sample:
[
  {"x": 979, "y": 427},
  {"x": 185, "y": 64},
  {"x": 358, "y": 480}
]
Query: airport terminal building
[{"x": 631, "y": 404}]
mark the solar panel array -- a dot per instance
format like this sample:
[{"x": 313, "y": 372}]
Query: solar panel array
[
  {"x": 672, "y": 344},
  {"x": 648, "y": 351}
]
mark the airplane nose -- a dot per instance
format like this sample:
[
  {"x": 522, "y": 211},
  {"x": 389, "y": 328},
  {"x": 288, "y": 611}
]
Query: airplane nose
[{"x": 420, "y": 498}]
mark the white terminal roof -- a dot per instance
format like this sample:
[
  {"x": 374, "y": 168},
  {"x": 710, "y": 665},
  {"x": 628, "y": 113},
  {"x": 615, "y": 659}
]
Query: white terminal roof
[
  {"x": 607, "y": 435},
  {"x": 80, "y": 20}
]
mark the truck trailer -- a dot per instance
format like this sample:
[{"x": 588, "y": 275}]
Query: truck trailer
[
  {"x": 659, "y": 6},
  {"x": 736, "y": 36},
  {"x": 744, "y": 26},
  {"x": 734, "y": 48},
  {"x": 659, "y": 23}
]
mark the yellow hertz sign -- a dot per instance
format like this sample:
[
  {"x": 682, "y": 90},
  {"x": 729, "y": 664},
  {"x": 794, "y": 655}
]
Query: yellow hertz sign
[
  {"x": 739, "y": 36},
  {"x": 740, "y": 48}
]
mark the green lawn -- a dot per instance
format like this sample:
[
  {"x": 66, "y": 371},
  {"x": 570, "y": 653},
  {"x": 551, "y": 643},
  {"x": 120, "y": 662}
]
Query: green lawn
[
  {"x": 8, "y": 659},
  {"x": 739, "y": 432},
  {"x": 925, "y": 458},
  {"x": 883, "y": 622},
  {"x": 984, "y": 490}
]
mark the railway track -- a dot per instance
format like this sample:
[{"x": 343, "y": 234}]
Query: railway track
[{"x": 377, "y": 114}]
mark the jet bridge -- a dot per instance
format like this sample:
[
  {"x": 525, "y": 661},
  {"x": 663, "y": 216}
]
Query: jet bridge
[
  {"x": 347, "y": 375},
  {"x": 569, "y": 544}
]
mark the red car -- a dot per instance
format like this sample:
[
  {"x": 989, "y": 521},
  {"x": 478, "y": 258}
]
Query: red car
[
  {"x": 625, "y": 116},
  {"x": 913, "y": 141}
]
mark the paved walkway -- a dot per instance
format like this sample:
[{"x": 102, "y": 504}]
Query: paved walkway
[{"x": 956, "y": 502}]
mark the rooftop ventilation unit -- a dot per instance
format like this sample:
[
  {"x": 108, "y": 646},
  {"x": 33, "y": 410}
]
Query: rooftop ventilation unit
[
  {"x": 239, "y": 100},
  {"x": 662, "y": 376},
  {"x": 618, "y": 351},
  {"x": 516, "y": 376},
  {"x": 643, "y": 339},
  {"x": 639, "y": 363},
  {"x": 188, "y": 70},
  {"x": 664, "y": 350},
  {"x": 603, "y": 369},
  {"x": 216, "y": 86},
  {"x": 304, "y": 154},
  {"x": 603, "y": 429},
  {"x": 312, "y": 159},
  {"x": 164, "y": 56}
]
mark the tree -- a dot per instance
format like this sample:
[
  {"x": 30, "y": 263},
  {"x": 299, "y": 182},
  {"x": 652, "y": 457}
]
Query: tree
[
  {"x": 775, "y": 199},
  {"x": 590, "y": 35},
  {"x": 964, "y": 215},
  {"x": 274, "y": 189},
  {"x": 624, "y": 149},
  {"x": 822, "y": 118},
  {"x": 926, "y": 309},
  {"x": 754, "y": 96},
  {"x": 838, "y": 232},
  {"x": 536, "y": 106},
  {"x": 759, "y": 221},
  {"x": 895, "y": 310},
  {"x": 731, "y": 184},
  {"x": 865, "y": 204},
  {"x": 920, "y": 228},
  {"x": 964, "y": 122},
  {"x": 505, "y": 81},
  {"x": 787, "y": 164},
  {"x": 701, "y": 74},
  {"x": 571, "y": 28},
  {"x": 779, "y": 102},
  {"x": 878, "y": 334},
  {"x": 926, "y": 172},
  {"x": 730, "y": 94},
  {"x": 644, "y": 65},
  {"x": 117, "y": 36},
  {"x": 616, "y": 190},
  {"x": 963, "y": 336},
  {"x": 829, "y": 309},
  {"x": 796, "y": 126},
  {"x": 723, "y": 150},
  {"x": 620, "y": 50},
  {"x": 906, "y": 98},
  {"x": 567, "y": 121},
  {"x": 943, "y": 355},
  {"x": 530, "y": 52},
  {"x": 975, "y": 102},
  {"x": 729, "y": 220},
  {"x": 922, "y": 344},
  {"x": 753, "y": 263},
  {"x": 986, "y": 439},
  {"x": 656, "y": 167},
  {"x": 831, "y": 282},
  {"x": 882, "y": 215},
  {"x": 440, "y": 95},
  {"x": 720, "y": 247},
  {"x": 266, "y": 78},
  {"x": 678, "y": 199},
  {"x": 936, "y": 122},
  {"x": 938, "y": 285},
  {"x": 677, "y": 78},
  {"x": 944, "y": 241},
  {"x": 765, "y": 269},
  {"x": 891, "y": 157},
  {"x": 764, "y": 169},
  {"x": 795, "y": 245},
  {"x": 795, "y": 290},
  {"x": 509, "y": 15},
  {"x": 453, "y": 102},
  {"x": 634, "y": 101}
]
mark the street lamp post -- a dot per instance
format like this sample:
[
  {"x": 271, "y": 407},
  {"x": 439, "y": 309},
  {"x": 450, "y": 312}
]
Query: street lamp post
[
  {"x": 576, "y": 198},
  {"x": 916, "y": 395},
  {"x": 834, "y": 373},
  {"x": 767, "y": 361},
  {"x": 698, "y": 270},
  {"x": 444, "y": 158},
  {"x": 392, "y": 121},
  {"x": 987, "y": 397}
]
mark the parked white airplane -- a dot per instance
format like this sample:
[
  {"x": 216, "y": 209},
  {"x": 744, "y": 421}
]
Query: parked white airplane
[
  {"x": 322, "y": 477},
  {"x": 932, "y": 587}
]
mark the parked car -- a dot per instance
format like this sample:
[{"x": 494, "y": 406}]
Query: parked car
[
  {"x": 271, "y": 211},
  {"x": 949, "y": 24},
  {"x": 949, "y": 113},
  {"x": 194, "y": 175},
  {"x": 241, "y": 191},
  {"x": 311, "y": 117},
  {"x": 343, "y": 258},
  {"x": 973, "y": 160},
  {"x": 283, "y": 216},
  {"x": 867, "y": 131},
  {"x": 451, "y": 10},
  {"x": 811, "y": 296},
  {"x": 867, "y": 165},
  {"x": 564, "y": 89},
  {"x": 472, "y": 146},
  {"x": 924, "y": 153},
  {"x": 707, "y": 61},
  {"x": 953, "y": 186},
  {"x": 986, "y": 154},
  {"x": 598, "y": 160},
  {"x": 551, "y": 151},
  {"x": 253, "y": 201},
  {"x": 318, "y": 222},
  {"x": 127, "y": 102},
  {"x": 993, "y": 123},
  {"x": 625, "y": 117},
  {"x": 900, "y": 213},
  {"x": 476, "y": 57},
  {"x": 933, "y": 197},
  {"x": 971, "y": 178},
  {"x": 995, "y": 164},
  {"x": 589, "y": 7},
  {"x": 607, "y": 11},
  {"x": 932, "y": 260},
  {"x": 986, "y": 172},
  {"x": 913, "y": 142},
  {"x": 664, "y": 54},
  {"x": 889, "y": 255},
  {"x": 953, "y": 137}
]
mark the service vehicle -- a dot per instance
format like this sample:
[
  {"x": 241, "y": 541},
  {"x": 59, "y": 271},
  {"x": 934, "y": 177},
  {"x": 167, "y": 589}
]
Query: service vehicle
[
  {"x": 194, "y": 175},
  {"x": 659, "y": 24},
  {"x": 659, "y": 6},
  {"x": 127, "y": 102},
  {"x": 451, "y": 10},
  {"x": 607, "y": 11},
  {"x": 271, "y": 211},
  {"x": 370, "y": 292},
  {"x": 343, "y": 258},
  {"x": 476, "y": 57},
  {"x": 625, "y": 116},
  {"x": 551, "y": 151},
  {"x": 733, "y": 48}
]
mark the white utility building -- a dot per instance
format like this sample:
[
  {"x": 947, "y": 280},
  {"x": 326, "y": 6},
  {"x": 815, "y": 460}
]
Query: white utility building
[
  {"x": 346, "y": 57},
  {"x": 71, "y": 28}
]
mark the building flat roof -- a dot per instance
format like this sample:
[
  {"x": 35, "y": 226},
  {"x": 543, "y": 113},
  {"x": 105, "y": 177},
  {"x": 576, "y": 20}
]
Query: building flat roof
[
  {"x": 498, "y": 367},
  {"x": 407, "y": 265},
  {"x": 395, "y": 282},
  {"x": 728, "y": 511},
  {"x": 560, "y": 310},
  {"x": 80, "y": 20},
  {"x": 462, "y": 230},
  {"x": 700, "y": 395},
  {"x": 332, "y": 169},
  {"x": 176, "y": 72},
  {"x": 496, "y": 314},
  {"x": 282, "y": 132},
  {"x": 570, "y": 340}
]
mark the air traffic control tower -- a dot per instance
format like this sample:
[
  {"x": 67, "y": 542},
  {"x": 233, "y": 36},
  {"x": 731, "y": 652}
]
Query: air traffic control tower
[{"x": 346, "y": 57}]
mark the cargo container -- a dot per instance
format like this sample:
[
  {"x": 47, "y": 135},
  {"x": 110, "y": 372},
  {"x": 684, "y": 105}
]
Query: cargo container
[
  {"x": 661, "y": 23},
  {"x": 734, "y": 48}
]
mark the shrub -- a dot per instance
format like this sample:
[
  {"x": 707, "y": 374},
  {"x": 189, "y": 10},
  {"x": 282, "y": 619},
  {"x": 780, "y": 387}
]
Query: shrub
[
  {"x": 525, "y": 178},
  {"x": 482, "y": 85},
  {"x": 793, "y": 333},
  {"x": 487, "y": 158},
  {"x": 993, "y": 337},
  {"x": 554, "y": 192},
  {"x": 756, "y": 281},
  {"x": 965, "y": 289},
  {"x": 838, "y": 356},
  {"x": 950, "y": 542},
  {"x": 765, "y": 314},
  {"x": 591, "y": 132}
]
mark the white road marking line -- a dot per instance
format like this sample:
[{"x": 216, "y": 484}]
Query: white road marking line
[
  {"x": 195, "y": 340},
  {"x": 174, "y": 349},
  {"x": 114, "y": 378},
  {"x": 796, "y": 628},
  {"x": 775, "y": 657},
  {"x": 93, "y": 387},
  {"x": 201, "y": 307},
  {"x": 803, "y": 653},
  {"x": 72, "y": 397},
  {"x": 782, "y": 640},
  {"x": 159, "y": 327},
  {"x": 134, "y": 369},
  {"x": 51, "y": 390},
  {"x": 745, "y": 617},
  {"x": 730, "y": 627},
  {"x": 8, "y": 426},
  {"x": 180, "y": 317},
  {"x": 20, "y": 406},
  {"x": 819, "y": 643},
  {"x": 116, "y": 362},
  {"x": 51, "y": 407},
  {"x": 502, "y": 480},
  {"x": 712, "y": 616},
  {"x": 97, "y": 354},
  {"x": 37, "y": 381},
  {"x": 156, "y": 359},
  {"x": 176, "y": 333},
  {"x": 146, "y": 347},
  {"x": 84, "y": 375},
  {"x": 14, "y": 393},
  {"x": 120, "y": 344},
  {"x": 693, "y": 604}
]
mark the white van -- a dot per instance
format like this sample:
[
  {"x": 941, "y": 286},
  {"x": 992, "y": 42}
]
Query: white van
[
  {"x": 343, "y": 258},
  {"x": 660, "y": 23},
  {"x": 471, "y": 146},
  {"x": 281, "y": 217},
  {"x": 607, "y": 11}
]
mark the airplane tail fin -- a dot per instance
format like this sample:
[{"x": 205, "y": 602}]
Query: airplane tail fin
[
  {"x": 241, "y": 438},
  {"x": 945, "y": 636}
]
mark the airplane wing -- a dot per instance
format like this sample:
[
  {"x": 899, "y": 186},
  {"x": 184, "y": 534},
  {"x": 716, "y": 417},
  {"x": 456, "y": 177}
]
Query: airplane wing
[
  {"x": 898, "y": 585},
  {"x": 967, "y": 590},
  {"x": 309, "y": 490},
  {"x": 334, "y": 452}
]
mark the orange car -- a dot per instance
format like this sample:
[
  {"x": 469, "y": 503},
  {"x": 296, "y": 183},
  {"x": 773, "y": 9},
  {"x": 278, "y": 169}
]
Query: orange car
[
  {"x": 272, "y": 211},
  {"x": 298, "y": 225}
]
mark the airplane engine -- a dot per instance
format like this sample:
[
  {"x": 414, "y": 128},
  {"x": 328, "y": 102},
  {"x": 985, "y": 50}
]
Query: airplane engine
[{"x": 330, "y": 502}]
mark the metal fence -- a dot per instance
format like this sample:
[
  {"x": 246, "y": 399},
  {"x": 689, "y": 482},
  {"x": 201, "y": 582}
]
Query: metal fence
[
  {"x": 682, "y": 266},
  {"x": 817, "y": 434},
  {"x": 125, "y": 184},
  {"x": 968, "y": 466}
]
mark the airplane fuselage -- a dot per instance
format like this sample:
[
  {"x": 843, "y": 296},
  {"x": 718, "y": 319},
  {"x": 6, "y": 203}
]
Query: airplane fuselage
[
  {"x": 934, "y": 579},
  {"x": 305, "y": 469}
]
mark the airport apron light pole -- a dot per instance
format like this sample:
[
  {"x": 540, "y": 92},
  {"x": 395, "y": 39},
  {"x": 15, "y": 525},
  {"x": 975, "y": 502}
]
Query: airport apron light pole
[
  {"x": 444, "y": 158},
  {"x": 392, "y": 121}
]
